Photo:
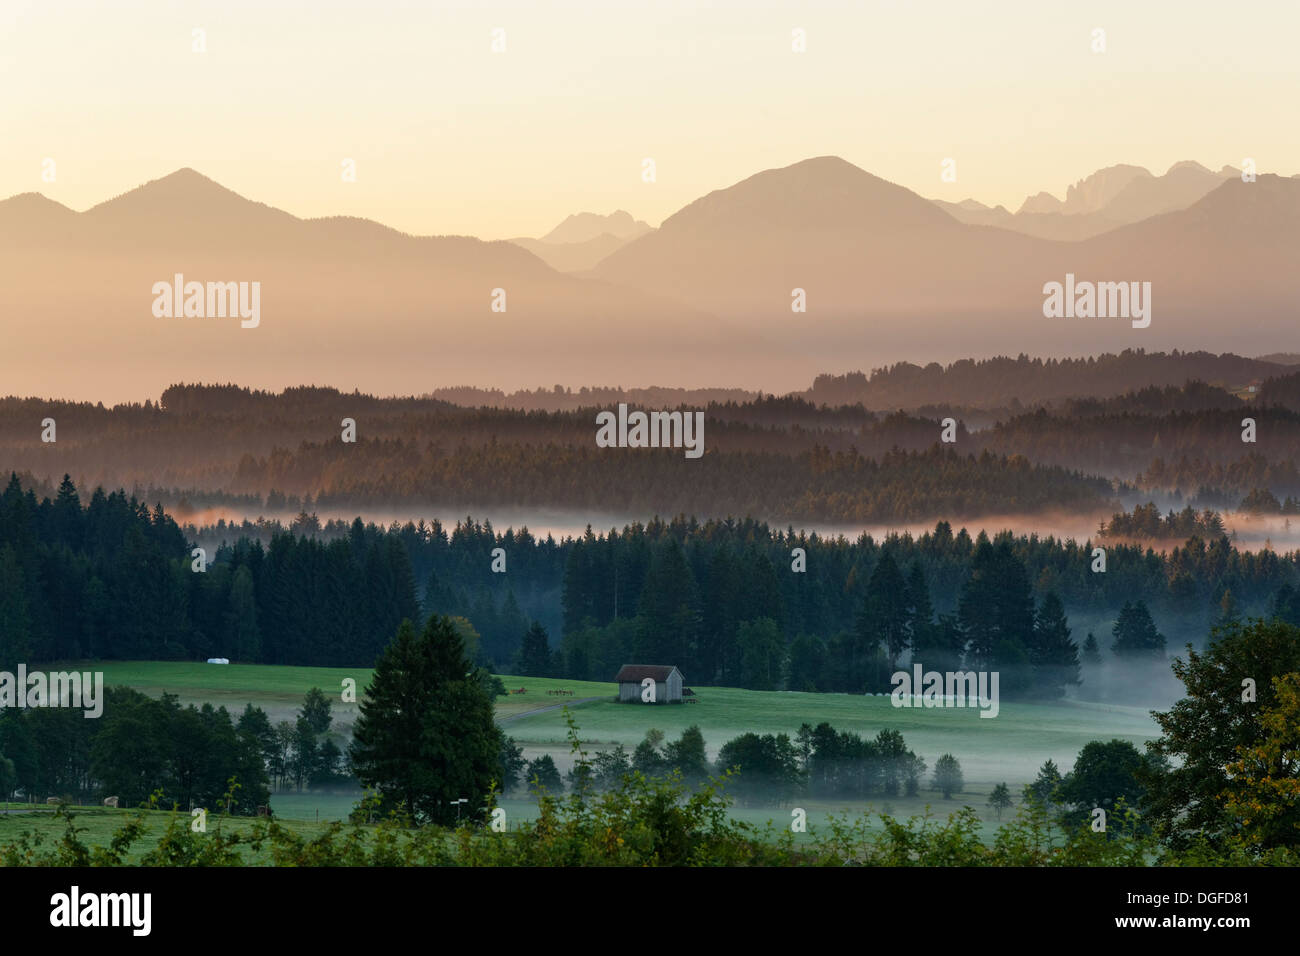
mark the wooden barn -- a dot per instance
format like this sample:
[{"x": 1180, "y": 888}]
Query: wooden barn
[{"x": 668, "y": 682}]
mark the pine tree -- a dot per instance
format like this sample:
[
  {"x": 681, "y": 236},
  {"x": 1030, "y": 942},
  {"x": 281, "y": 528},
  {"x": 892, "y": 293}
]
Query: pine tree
[
  {"x": 762, "y": 653},
  {"x": 669, "y": 606},
  {"x": 1044, "y": 788},
  {"x": 15, "y": 618},
  {"x": 1054, "y": 656},
  {"x": 426, "y": 734},
  {"x": 67, "y": 514},
  {"x": 719, "y": 658},
  {"x": 807, "y": 661},
  {"x": 577, "y": 598},
  {"x": 534, "y": 658},
  {"x": 996, "y": 610},
  {"x": 885, "y": 618},
  {"x": 316, "y": 711},
  {"x": 1136, "y": 635},
  {"x": 920, "y": 611},
  {"x": 1000, "y": 799},
  {"x": 1091, "y": 651},
  {"x": 1226, "y": 611},
  {"x": 245, "y": 636},
  {"x": 305, "y": 753},
  {"x": 254, "y": 724}
]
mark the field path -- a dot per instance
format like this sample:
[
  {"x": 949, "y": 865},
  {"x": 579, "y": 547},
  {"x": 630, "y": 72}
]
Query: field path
[{"x": 542, "y": 710}]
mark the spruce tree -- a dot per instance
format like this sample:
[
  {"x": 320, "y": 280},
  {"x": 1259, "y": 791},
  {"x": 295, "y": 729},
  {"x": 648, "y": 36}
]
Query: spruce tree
[
  {"x": 15, "y": 615},
  {"x": 920, "y": 611},
  {"x": 1136, "y": 635},
  {"x": 884, "y": 620},
  {"x": 1091, "y": 651},
  {"x": 670, "y": 608},
  {"x": 1054, "y": 656},
  {"x": 316, "y": 711},
  {"x": 1000, "y": 799},
  {"x": 535, "y": 653},
  {"x": 996, "y": 610},
  {"x": 426, "y": 734}
]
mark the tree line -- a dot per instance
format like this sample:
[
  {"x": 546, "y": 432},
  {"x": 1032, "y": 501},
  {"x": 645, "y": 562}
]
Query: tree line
[{"x": 732, "y": 602}]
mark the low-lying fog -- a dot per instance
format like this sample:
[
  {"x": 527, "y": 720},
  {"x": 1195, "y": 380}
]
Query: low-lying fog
[{"x": 1248, "y": 532}]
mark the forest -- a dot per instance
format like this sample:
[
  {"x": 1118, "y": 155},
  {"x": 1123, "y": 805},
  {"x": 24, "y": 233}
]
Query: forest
[
  {"x": 732, "y": 602},
  {"x": 784, "y": 459},
  {"x": 1024, "y": 382}
]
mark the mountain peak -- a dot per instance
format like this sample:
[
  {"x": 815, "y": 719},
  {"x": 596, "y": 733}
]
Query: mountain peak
[
  {"x": 585, "y": 226},
  {"x": 823, "y": 192},
  {"x": 1044, "y": 202},
  {"x": 37, "y": 203},
  {"x": 1094, "y": 192},
  {"x": 1189, "y": 164},
  {"x": 33, "y": 214},
  {"x": 185, "y": 193}
]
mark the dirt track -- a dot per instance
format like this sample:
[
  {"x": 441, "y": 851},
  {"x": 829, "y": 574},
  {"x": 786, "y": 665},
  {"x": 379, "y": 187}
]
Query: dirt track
[{"x": 542, "y": 710}]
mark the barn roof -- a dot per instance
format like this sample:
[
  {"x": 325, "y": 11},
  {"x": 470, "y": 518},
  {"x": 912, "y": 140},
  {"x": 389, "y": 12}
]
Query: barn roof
[{"x": 639, "y": 672}]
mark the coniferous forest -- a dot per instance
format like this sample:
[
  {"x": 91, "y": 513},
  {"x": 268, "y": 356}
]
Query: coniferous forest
[
  {"x": 737, "y": 603},
  {"x": 789, "y": 459}
]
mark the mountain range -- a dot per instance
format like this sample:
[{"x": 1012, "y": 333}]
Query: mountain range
[
  {"x": 704, "y": 299},
  {"x": 1111, "y": 197},
  {"x": 582, "y": 240}
]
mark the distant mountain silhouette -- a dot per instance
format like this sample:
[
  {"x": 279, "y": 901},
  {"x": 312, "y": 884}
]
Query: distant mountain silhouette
[
  {"x": 884, "y": 270},
  {"x": 572, "y": 256},
  {"x": 343, "y": 300},
  {"x": 822, "y": 193},
  {"x": 1109, "y": 198},
  {"x": 586, "y": 226},
  {"x": 582, "y": 240},
  {"x": 705, "y": 299},
  {"x": 1095, "y": 192}
]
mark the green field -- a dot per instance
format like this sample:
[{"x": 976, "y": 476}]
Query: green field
[
  {"x": 277, "y": 690},
  {"x": 1009, "y": 747}
]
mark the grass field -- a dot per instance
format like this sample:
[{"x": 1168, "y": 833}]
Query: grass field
[
  {"x": 1008, "y": 748},
  {"x": 277, "y": 690},
  {"x": 512, "y": 705}
]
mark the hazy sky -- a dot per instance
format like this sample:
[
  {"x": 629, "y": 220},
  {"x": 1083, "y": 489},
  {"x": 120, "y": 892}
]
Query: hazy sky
[{"x": 449, "y": 137}]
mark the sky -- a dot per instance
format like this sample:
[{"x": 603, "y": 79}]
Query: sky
[{"x": 450, "y": 137}]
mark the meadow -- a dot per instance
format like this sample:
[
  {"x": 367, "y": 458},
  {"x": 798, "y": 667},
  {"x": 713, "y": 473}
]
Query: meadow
[{"x": 1008, "y": 748}]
